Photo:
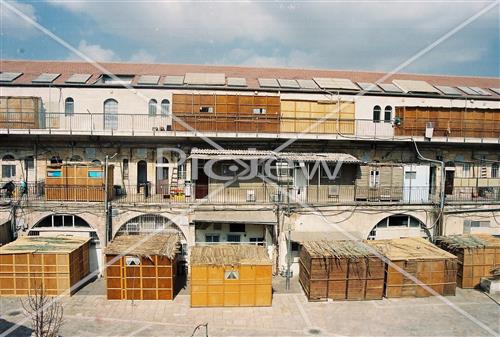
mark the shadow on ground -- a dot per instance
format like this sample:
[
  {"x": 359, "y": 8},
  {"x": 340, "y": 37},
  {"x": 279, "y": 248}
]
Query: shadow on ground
[{"x": 21, "y": 331}]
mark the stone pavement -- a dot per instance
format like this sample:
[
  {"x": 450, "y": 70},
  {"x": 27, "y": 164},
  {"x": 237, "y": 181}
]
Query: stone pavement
[{"x": 89, "y": 313}]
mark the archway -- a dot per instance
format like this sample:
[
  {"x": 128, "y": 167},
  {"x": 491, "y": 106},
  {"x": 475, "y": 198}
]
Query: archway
[
  {"x": 398, "y": 226},
  {"x": 148, "y": 224},
  {"x": 73, "y": 225}
]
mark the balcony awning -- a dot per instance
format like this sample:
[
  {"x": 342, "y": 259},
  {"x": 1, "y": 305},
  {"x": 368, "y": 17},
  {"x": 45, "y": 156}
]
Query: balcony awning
[{"x": 224, "y": 154}]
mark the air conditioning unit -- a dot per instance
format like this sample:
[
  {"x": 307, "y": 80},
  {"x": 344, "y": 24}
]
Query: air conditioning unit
[
  {"x": 333, "y": 191},
  {"x": 429, "y": 129},
  {"x": 251, "y": 196}
]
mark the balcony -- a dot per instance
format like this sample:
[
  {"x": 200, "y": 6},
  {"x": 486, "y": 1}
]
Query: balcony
[{"x": 266, "y": 194}]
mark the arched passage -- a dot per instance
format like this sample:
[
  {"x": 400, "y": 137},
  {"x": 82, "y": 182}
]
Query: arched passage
[
  {"x": 148, "y": 224},
  {"x": 398, "y": 226},
  {"x": 74, "y": 225}
]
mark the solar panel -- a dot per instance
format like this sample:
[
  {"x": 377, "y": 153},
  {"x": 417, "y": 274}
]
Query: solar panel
[
  {"x": 372, "y": 87},
  {"x": 307, "y": 84},
  {"x": 481, "y": 91},
  {"x": 173, "y": 80},
  {"x": 448, "y": 90},
  {"x": 284, "y": 83},
  {"x": 389, "y": 87},
  {"x": 46, "y": 78},
  {"x": 9, "y": 77},
  {"x": 468, "y": 91},
  {"x": 416, "y": 86},
  {"x": 148, "y": 79},
  {"x": 335, "y": 83},
  {"x": 78, "y": 78},
  {"x": 205, "y": 78},
  {"x": 236, "y": 82},
  {"x": 495, "y": 90},
  {"x": 269, "y": 82}
]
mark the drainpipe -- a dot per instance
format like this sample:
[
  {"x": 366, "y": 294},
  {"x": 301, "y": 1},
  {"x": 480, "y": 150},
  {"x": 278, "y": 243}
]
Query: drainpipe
[{"x": 441, "y": 192}]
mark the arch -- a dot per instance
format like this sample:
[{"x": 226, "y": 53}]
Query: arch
[
  {"x": 69, "y": 106},
  {"x": 76, "y": 158},
  {"x": 96, "y": 162},
  {"x": 152, "y": 105},
  {"x": 62, "y": 220},
  {"x": 147, "y": 224},
  {"x": 110, "y": 110},
  {"x": 377, "y": 110},
  {"x": 55, "y": 160},
  {"x": 165, "y": 107},
  {"x": 399, "y": 225},
  {"x": 8, "y": 157},
  {"x": 387, "y": 114}
]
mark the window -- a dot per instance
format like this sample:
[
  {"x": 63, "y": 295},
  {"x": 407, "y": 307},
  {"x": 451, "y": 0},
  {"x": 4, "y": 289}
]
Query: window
[
  {"x": 374, "y": 178},
  {"x": 257, "y": 241},
  {"x": 212, "y": 238},
  {"x": 8, "y": 157},
  {"x": 206, "y": 109},
  {"x": 466, "y": 170},
  {"x": 494, "y": 170},
  {"x": 388, "y": 114},
  {"x": 125, "y": 168},
  {"x": 233, "y": 238},
  {"x": 75, "y": 158},
  {"x": 181, "y": 171},
  {"x": 96, "y": 162},
  {"x": 8, "y": 171},
  {"x": 376, "y": 113},
  {"x": 237, "y": 228},
  {"x": 259, "y": 111},
  {"x": 69, "y": 107},
  {"x": 165, "y": 107},
  {"x": 152, "y": 107},
  {"x": 111, "y": 114},
  {"x": 29, "y": 163}
]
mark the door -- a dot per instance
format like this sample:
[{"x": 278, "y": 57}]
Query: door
[
  {"x": 415, "y": 182},
  {"x": 142, "y": 173},
  {"x": 162, "y": 177},
  {"x": 448, "y": 183},
  {"x": 201, "y": 187},
  {"x": 300, "y": 184}
]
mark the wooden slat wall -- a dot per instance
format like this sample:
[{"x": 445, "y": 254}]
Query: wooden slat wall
[
  {"x": 452, "y": 122},
  {"x": 152, "y": 280},
  {"x": 310, "y": 117},
  {"x": 325, "y": 278},
  {"x": 20, "y": 112},
  {"x": 231, "y": 113},
  {"x": 210, "y": 289}
]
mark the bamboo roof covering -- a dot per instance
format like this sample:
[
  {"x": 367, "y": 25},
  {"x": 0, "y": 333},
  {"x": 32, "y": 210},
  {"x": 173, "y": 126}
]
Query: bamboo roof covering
[
  {"x": 469, "y": 241},
  {"x": 144, "y": 245},
  {"x": 221, "y": 255},
  {"x": 410, "y": 249},
  {"x": 43, "y": 244},
  {"x": 338, "y": 249}
]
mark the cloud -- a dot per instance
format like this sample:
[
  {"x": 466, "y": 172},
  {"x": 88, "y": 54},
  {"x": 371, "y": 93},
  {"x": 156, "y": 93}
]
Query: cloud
[
  {"x": 13, "y": 24},
  {"x": 372, "y": 36},
  {"x": 142, "y": 56},
  {"x": 95, "y": 52}
]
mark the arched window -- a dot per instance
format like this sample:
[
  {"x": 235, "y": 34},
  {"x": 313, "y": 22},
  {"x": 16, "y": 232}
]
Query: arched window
[
  {"x": 8, "y": 157},
  {"x": 69, "y": 106},
  {"x": 111, "y": 114},
  {"x": 397, "y": 226},
  {"x": 152, "y": 107},
  {"x": 96, "y": 162},
  {"x": 165, "y": 107},
  {"x": 76, "y": 158},
  {"x": 376, "y": 113},
  {"x": 388, "y": 114},
  {"x": 494, "y": 170}
]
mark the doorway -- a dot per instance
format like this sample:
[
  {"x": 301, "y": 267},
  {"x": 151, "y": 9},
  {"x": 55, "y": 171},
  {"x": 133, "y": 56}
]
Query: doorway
[
  {"x": 448, "y": 183},
  {"x": 142, "y": 174},
  {"x": 201, "y": 187}
]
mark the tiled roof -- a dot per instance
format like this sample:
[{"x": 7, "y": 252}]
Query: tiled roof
[{"x": 32, "y": 69}]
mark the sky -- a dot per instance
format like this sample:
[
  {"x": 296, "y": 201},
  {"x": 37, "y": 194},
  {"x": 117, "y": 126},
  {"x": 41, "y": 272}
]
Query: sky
[{"x": 327, "y": 34}]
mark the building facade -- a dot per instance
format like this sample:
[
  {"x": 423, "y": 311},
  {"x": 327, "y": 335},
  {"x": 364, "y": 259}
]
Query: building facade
[{"x": 245, "y": 155}]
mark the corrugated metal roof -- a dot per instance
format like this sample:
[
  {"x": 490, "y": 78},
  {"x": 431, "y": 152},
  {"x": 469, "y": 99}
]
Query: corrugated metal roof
[{"x": 262, "y": 154}]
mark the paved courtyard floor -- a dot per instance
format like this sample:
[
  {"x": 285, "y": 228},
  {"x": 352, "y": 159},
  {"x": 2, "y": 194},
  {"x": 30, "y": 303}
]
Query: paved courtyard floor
[{"x": 89, "y": 313}]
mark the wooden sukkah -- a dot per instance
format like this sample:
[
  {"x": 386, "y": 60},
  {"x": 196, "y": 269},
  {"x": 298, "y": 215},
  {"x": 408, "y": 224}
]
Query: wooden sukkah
[
  {"x": 340, "y": 270},
  {"x": 477, "y": 255},
  {"x": 416, "y": 265},
  {"x": 142, "y": 267},
  {"x": 230, "y": 275}
]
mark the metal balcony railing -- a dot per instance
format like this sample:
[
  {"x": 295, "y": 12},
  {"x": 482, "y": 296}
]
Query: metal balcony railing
[{"x": 265, "y": 194}]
